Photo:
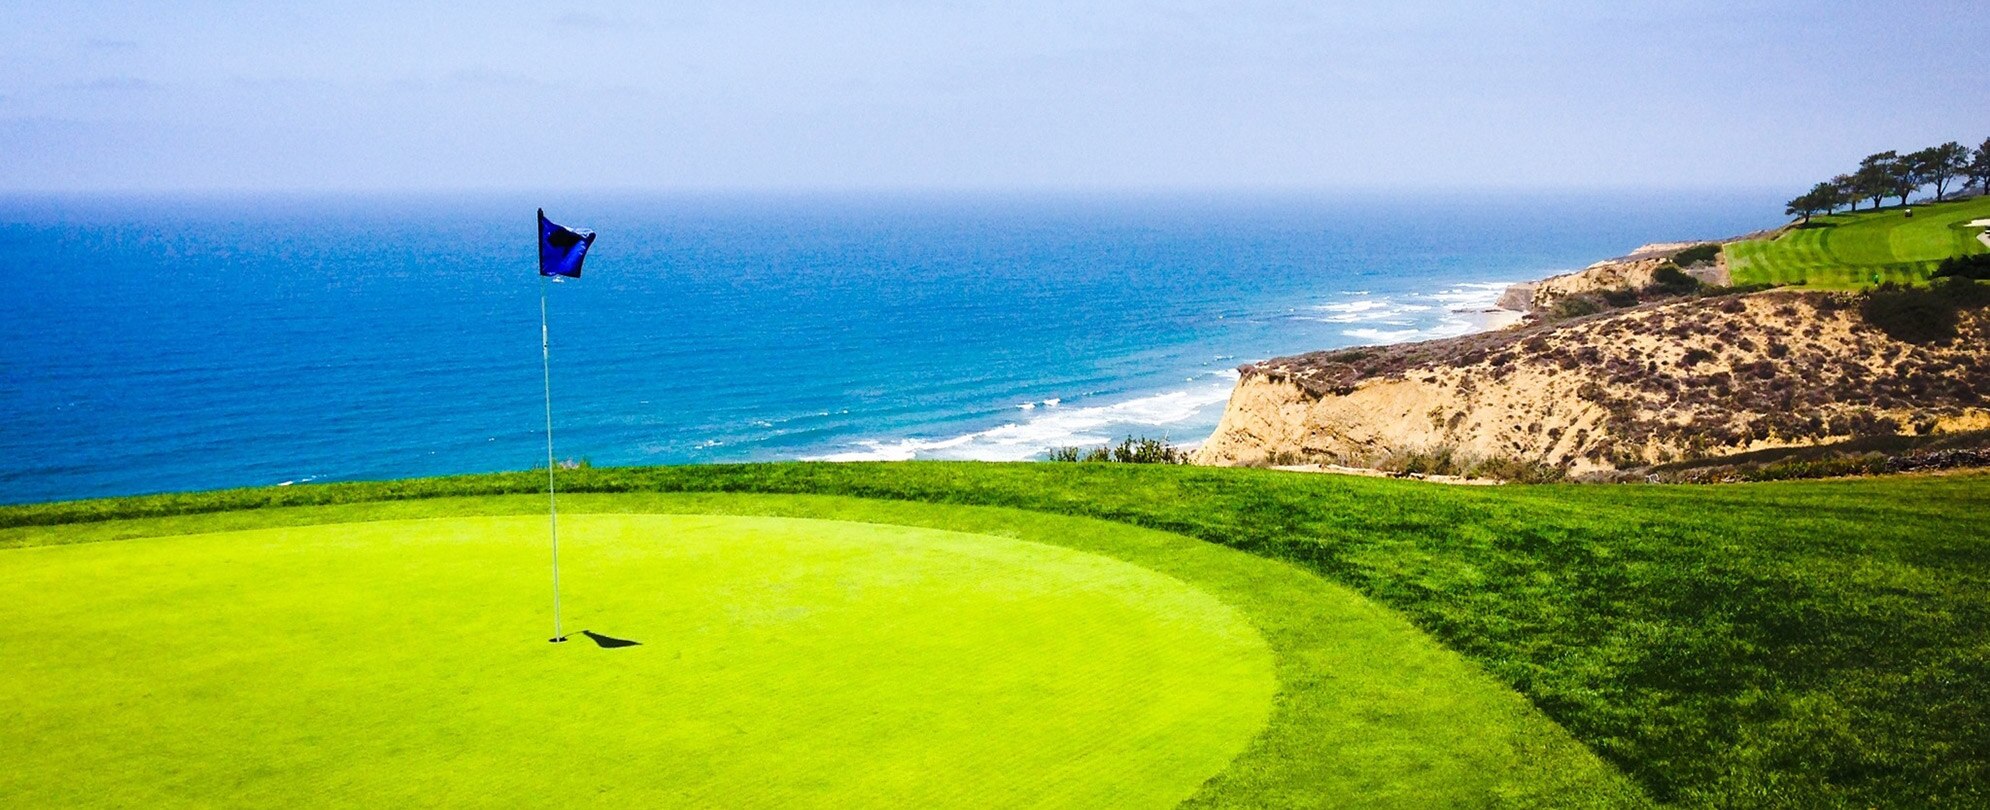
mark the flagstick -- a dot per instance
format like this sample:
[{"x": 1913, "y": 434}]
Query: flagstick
[{"x": 552, "y": 499}]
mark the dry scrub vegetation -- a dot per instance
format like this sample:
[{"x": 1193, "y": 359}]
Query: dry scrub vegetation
[{"x": 1653, "y": 384}]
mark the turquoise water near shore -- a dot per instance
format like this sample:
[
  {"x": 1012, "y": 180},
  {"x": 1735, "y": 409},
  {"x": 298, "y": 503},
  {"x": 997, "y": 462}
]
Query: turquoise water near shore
[{"x": 157, "y": 343}]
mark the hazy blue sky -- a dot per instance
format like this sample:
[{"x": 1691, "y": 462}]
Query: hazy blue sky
[{"x": 1069, "y": 94}]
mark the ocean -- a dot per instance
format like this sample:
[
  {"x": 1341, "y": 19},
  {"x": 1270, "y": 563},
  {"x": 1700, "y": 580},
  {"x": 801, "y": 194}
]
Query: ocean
[{"x": 181, "y": 342}]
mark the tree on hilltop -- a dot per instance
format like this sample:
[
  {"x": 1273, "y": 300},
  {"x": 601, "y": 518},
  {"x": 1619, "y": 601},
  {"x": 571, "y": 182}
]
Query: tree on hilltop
[
  {"x": 1979, "y": 169},
  {"x": 1903, "y": 176},
  {"x": 1800, "y": 207},
  {"x": 1847, "y": 188},
  {"x": 1821, "y": 197},
  {"x": 1830, "y": 195},
  {"x": 1874, "y": 179},
  {"x": 1940, "y": 164}
]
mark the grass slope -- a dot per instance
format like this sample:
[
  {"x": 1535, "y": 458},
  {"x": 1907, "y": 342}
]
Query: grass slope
[
  {"x": 1846, "y": 251},
  {"x": 1802, "y": 644},
  {"x": 303, "y": 658}
]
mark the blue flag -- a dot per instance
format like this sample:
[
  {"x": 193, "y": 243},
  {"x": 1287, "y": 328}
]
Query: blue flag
[{"x": 561, "y": 249}]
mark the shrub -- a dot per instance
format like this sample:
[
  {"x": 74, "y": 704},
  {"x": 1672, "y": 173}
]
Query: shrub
[
  {"x": 1697, "y": 254},
  {"x": 1975, "y": 267},
  {"x": 1621, "y": 298},
  {"x": 1576, "y": 306},
  {"x": 1524, "y": 471},
  {"x": 1868, "y": 464},
  {"x": 1921, "y": 314},
  {"x": 1669, "y": 280},
  {"x": 1438, "y": 461},
  {"x": 1130, "y": 450},
  {"x": 1286, "y": 458},
  {"x": 1446, "y": 460}
]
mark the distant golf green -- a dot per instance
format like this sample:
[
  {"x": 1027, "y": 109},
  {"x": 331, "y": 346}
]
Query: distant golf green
[
  {"x": 796, "y": 651},
  {"x": 1847, "y": 251}
]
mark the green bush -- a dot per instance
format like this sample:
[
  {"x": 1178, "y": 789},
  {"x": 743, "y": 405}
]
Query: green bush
[
  {"x": 1621, "y": 298},
  {"x": 1867, "y": 464},
  {"x": 1975, "y": 267},
  {"x": 1437, "y": 461},
  {"x": 1576, "y": 306},
  {"x": 1525, "y": 471},
  {"x": 1922, "y": 314},
  {"x": 1447, "y": 460},
  {"x": 1697, "y": 254},
  {"x": 1669, "y": 280},
  {"x": 1130, "y": 450}
]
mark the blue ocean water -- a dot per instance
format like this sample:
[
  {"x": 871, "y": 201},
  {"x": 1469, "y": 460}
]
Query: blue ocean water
[{"x": 156, "y": 343}]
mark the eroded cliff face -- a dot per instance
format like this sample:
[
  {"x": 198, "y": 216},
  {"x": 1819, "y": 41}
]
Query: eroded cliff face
[
  {"x": 1696, "y": 378},
  {"x": 1637, "y": 271}
]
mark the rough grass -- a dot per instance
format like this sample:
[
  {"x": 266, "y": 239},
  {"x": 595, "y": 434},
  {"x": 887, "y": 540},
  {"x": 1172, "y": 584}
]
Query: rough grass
[
  {"x": 784, "y": 663},
  {"x": 1846, "y": 251},
  {"x": 1867, "y": 455},
  {"x": 1799, "y": 644}
]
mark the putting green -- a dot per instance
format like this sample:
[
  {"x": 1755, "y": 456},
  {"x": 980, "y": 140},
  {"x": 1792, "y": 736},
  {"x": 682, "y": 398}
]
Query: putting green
[
  {"x": 390, "y": 652},
  {"x": 782, "y": 662}
]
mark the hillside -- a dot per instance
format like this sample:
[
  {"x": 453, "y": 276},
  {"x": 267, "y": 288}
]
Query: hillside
[
  {"x": 1849, "y": 250},
  {"x": 1653, "y": 384}
]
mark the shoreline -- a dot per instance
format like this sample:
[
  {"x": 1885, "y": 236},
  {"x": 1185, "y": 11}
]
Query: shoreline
[{"x": 1188, "y": 413}]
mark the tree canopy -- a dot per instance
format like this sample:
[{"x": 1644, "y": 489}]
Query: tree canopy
[{"x": 1891, "y": 174}]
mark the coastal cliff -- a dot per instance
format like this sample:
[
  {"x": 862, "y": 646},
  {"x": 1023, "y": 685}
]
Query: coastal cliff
[
  {"x": 1657, "y": 383},
  {"x": 1702, "y": 261}
]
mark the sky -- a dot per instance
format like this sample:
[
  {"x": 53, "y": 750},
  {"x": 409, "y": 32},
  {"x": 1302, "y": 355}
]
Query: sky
[{"x": 1066, "y": 95}]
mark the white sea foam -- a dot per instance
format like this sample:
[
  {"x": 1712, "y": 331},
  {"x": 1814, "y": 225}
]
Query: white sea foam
[
  {"x": 1452, "y": 311},
  {"x": 1056, "y": 427},
  {"x": 1456, "y": 310},
  {"x": 1391, "y": 335},
  {"x": 1477, "y": 295},
  {"x": 1370, "y": 310}
]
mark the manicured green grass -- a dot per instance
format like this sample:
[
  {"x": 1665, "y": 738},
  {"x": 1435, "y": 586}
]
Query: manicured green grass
[
  {"x": 1800, "y": 644},
  {"x": 1017, "y": 659},
  {"x": 1847, "y": 251}
]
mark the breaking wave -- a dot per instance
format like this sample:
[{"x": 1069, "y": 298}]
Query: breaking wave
[
  {"x": 1055, "y": 425},
  {"x": 1456, "y": 310}
]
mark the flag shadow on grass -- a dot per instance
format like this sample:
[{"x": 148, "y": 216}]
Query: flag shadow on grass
[{"x": 609, "y": 641}]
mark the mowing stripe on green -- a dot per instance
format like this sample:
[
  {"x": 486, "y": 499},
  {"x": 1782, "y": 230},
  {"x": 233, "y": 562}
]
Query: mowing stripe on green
[{"x": 1846, "y": 251}]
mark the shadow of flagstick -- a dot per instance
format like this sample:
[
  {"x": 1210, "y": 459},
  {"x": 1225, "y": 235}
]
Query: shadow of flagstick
[{"x": 609, "y": 642}]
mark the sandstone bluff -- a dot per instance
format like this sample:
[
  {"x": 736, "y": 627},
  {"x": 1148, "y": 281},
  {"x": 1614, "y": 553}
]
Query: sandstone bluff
[{"x": 1686, "y": 378}]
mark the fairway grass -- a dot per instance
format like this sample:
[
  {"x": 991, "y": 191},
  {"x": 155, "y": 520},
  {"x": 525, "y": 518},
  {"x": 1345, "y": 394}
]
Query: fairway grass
[
  {"x": 795, "y": 651},
  {"x": 1847, "y": 251}
]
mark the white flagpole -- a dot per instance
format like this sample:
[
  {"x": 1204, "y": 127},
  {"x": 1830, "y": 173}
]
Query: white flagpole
[{"x": 552, "y": 499}]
